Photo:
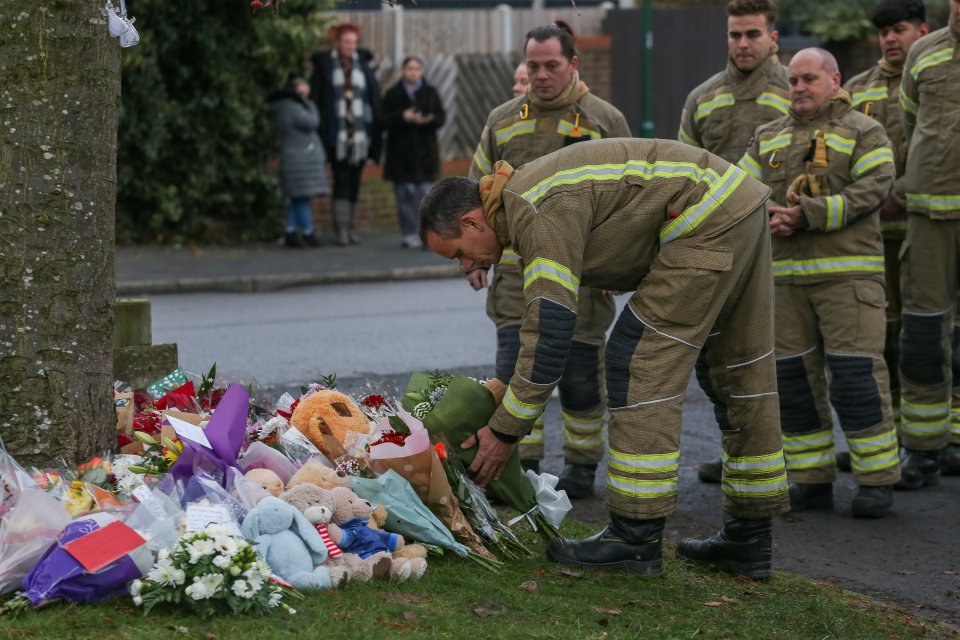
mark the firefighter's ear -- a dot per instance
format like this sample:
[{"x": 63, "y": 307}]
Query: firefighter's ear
[{"x": 473, "y": 219}]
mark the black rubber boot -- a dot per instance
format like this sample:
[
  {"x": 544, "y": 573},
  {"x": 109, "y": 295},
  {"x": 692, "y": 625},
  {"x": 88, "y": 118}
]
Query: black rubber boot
[
  {"x": 804, "y": 497},
  {"x": 577, "y": 480},
  {"x": 623, "y": 545},
  {"x": 843, "y": 461},
  {"x": 741, "y": 548},
  {"x": 310, "y": 240},
  {"x": 710, "y": 472},
  {"x": 872, "y": 502},
  {"x": 950, "y": 460},
  {"x": 531, "y": 464},
  {"x": 918, "y": 469},
  {"x": 291, "y": 239}
]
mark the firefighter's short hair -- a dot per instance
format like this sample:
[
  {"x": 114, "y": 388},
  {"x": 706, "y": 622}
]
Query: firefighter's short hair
[
  {"x": 446, "y": 203},
  {"x": 558, "y": 29},
  {"x": 752, "y": 7},
  {"x": 889, "y": 12}
]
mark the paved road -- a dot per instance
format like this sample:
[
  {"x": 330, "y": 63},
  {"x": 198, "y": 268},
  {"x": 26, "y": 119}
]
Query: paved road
[{"x": 376, "y": 334}]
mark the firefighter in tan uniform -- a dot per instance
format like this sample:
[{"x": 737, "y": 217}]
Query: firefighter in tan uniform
[
  {"x": 721, "y": 114},
  {"x": 876, "y": 93},
  {"x": 556, "y": 110},
  {"x": 688, "y": 233},
  {"x": 831, "y": 169},
  {"x": 930, "y": 259}
]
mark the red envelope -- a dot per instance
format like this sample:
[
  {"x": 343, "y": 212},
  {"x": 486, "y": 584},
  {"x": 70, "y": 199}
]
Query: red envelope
[{"x": 107, "y": 544}]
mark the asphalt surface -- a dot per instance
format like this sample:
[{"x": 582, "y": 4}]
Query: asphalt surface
[{"x": 911, "y": 558}]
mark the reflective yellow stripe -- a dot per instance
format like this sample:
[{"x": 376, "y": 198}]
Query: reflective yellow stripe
[
  {"x": 779, "y": 103},
  {"x": 907, "y": 104},
  {"x": 642, "y": 488},
  {"x": 806, "y": 441},
  {"x": 810, "y": 459},
  {"x": 691, "y": 218},
  {"x": 683, "y": 137},
  {"x": 706, "y": 108},
  {"x": 503, "y": 136},
  {"x": 509, "y": 257},
  {"x": 520, "y": 409},
  {"x": 615, "y": 172},
  {"x": 822, "y": 266},
  {"x": 777, "y": 142},
  {"x": 566, "y": 128},
  {"x": 754, "y": 464},
  {"x": 751, "y": 166},
  {"x": 872, "y": 444},
  {"x": 873, "y": 94},
  {"x": 839, "y": 143},
  {"x": 870, "y": 160},
  {"x": 924, "y": 420},
  {"x": 876, "y": 462},
  {"x": 835, "y": 210},
  {"x": 535, "y": 436},
  {"x": 572, "y": 441},
  {"x": 649, "y": 463},
  {"x": 931, "y": 60},
  {"x": 928, "y": 202},
  {"x": 480, "y": 159},
  {"x": 739, "y": 488},
  {"x": 553, "y": 271}
]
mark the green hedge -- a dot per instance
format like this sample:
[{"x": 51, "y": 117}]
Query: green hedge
[{"x": 195, "y": 134}]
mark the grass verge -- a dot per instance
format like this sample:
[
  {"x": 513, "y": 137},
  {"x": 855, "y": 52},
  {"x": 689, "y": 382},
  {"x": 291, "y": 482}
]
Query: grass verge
[{"x": 529, "y": 599}]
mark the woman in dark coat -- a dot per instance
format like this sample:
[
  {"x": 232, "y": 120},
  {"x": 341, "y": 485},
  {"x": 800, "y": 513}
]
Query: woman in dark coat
[
  {"x": 411, "y": 113},
  {"x": 348, "y": 96},
  {"x": 302, "y": 159}
]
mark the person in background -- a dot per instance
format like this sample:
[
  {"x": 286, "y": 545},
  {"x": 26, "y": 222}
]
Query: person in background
[
  {"x": 521, "y": 80},
  {"x": 302, "y": 159},
  {"x": 347, "y": 93},
  {"x": 411, "y": 113}
]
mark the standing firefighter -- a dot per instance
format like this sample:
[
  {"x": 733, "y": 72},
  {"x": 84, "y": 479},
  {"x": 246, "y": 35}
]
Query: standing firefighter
[
  {"x": 556, "y": 110},
  {"x": 721, "y": 114},
  {"x": 686, "y": 232},
  {"x": 930, "y": 263},
  {"x": 876, "y": 93},
  {"x": 831, "y": 168}
]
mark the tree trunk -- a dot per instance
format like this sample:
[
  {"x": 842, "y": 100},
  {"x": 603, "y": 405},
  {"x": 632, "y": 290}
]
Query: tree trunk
[{"x": 59, "y": 93}]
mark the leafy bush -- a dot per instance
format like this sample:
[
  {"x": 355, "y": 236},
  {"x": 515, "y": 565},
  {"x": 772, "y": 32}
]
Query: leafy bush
[
  {"x": 839, "y": 21},
  {"x": 195, "y": 134}
]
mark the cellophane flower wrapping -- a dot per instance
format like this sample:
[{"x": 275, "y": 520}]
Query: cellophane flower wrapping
[
  {"x": 464, "y": 407},
  {"x": 210, "y": 572},
  {"x": 26, "y": 532}
]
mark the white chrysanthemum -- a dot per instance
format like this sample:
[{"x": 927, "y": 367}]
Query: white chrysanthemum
[
  {"x": 135, "y": 588},
  {"x": 226, "y": 545},
  {"x": 129, "y": 482},
  {"x": 215, "y": 530},
  {"x": 197, "y": 591},
  {"x": 242, "y": 589},
  {"x": 263, "y": 568},
  {"x": 162, "y": 573},
  {"x": 200, "y": 549},
  {"x": 291, "y": 611},
  {"x": 222, "y": 562},
  {"x": 137, "y": 600},
  {"x": 275, "y": 598},
  {"x": 212, "y": 581},
  {"x": 178, "y": 577},
  {"x": 163, "y": 554}
]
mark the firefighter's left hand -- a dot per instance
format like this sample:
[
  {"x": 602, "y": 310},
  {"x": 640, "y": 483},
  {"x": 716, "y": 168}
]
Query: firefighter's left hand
[
  {"x": 784, "y": 220},
  {"x": 491, "y": 456}
]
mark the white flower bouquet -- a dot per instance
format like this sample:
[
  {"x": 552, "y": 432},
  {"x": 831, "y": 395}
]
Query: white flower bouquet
[{"x": 211, "y": 572}]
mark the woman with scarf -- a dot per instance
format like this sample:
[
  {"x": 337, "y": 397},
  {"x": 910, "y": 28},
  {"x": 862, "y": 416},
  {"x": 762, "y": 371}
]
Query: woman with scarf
[
  {"x": 346, "y": 91},
  {"x": 411, "y": 114}
]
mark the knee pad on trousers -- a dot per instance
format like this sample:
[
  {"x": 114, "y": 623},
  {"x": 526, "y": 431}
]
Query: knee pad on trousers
[
  {"x": 580, "y": 385},
  {"x": 921, "y": 351},
  {"x": 508, "y": 348},
  {"x": 703, "y": 378},
  {"x": 798, "y": 408},
  {"x": 854, "y": 393},
  {"x": 891, "y": 352},
  {"x": 621, "y": 346},
  {"x": 555, "y": 328}
]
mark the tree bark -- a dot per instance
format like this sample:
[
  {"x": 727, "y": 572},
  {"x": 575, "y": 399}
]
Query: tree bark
[{"x": 59, "y": 95}]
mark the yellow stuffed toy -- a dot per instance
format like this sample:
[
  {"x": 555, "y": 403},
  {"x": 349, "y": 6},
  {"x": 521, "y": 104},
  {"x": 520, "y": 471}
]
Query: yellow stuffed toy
[{"x": 328, "y": 412}]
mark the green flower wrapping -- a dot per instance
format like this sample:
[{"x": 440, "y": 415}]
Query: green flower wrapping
[{"x": 465, "y": 407}]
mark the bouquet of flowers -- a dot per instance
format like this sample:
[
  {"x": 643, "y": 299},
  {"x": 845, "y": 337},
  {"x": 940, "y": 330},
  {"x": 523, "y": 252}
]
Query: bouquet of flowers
[{"x": 211, "y": 572}]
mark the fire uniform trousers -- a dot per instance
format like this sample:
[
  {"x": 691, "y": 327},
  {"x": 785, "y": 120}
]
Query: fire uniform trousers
[
  {"x": 876, "y": 93},
  {"x": 930, "y": 258},
  {"x": 721, "y": 114},
  {"x": 686, "y": 232},
  {"x": 519, "y": 131},
  {"x": 829, "y": 291}
]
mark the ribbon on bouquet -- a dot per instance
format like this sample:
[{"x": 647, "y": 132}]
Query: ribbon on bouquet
[{"x": 552, "y": 504}]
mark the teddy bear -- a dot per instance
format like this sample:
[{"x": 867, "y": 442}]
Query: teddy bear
[
  {"x": 353, "y": 514},
  {"x": 318, "y": 474},
  {"x": 333, "y": 409},
  {"x": 290, "y": 545},
  {"x": 268, "y": 480},
  {"x": 317, "y": 504}
]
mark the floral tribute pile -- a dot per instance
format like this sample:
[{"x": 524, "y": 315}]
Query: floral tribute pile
[{"x": 223, "y": 503}]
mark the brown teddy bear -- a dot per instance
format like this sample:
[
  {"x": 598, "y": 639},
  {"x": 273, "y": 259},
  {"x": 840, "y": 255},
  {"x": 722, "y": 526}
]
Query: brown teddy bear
[
  {"x": 268, "y": 480},
  {"x": 353, "y": 515},
  {"x": 317, "y": 505},
  {"x": 328, "y": 410},
  {"x": 319, "y": 474}
]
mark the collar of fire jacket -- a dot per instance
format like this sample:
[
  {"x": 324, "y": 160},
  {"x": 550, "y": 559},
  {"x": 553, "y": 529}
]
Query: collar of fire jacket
[
  {"x": 890, "y": 69},
  {"x": 834, "y": 107},
  {"x": 569, "y": 96},
  {"x": 491, "y": 198},
  {"x": 750, "y": 84}
]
